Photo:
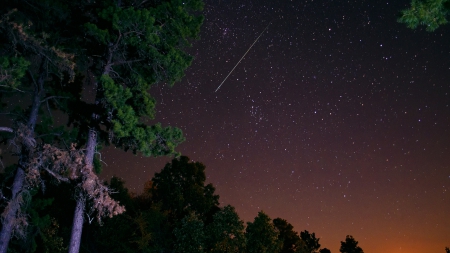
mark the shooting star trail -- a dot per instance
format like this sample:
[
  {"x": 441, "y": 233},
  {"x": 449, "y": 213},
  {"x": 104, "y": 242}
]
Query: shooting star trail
[{"x": 243, "y": 57}]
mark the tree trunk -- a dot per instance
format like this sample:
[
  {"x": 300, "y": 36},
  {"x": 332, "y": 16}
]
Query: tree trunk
[
  {"x": 78, "y": 217},
  {"x": 19, "y": 179},
  {"x": 77, "y": 225},
  {"x": 8, "y": 223}
]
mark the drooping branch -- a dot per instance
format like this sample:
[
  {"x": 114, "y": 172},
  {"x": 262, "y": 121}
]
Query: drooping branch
[
  {"x": 58, "y": 177},
  {"x": 8, "y": 86}
]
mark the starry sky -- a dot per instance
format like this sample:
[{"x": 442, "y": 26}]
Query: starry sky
[{"x": 337, "y": 120}]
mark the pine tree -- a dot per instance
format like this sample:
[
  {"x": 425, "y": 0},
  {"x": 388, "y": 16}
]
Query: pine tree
[
  {"x": 29, "y": 55},
  {"x": 430, "y": 13},
  {"x": 127, "y": 47},
  {"x": 121, "y": 48}
]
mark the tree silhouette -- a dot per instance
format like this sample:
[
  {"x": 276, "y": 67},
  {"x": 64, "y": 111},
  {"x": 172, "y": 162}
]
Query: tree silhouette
[
  {"x": 189, "y": 236},
  {"x": 324, "y": 250},
  {"x": 287, "y": 235},
  {"x": 226, "y": 233},
  {"x": 350, "y": 245},
  {"x": 180, "y": 189},
  {"x": 262, "y": 236},
  {"x": 309, "y": 243}
]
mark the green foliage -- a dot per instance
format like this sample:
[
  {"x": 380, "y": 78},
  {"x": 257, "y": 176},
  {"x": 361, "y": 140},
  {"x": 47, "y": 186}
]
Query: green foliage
[
  {"x": 262, "y": 236},
  {"x": 130, "y": 134},
  {"x": 122, "y": 48},
  {"x": 97, "y": 165},
  {"x": 189, "y": 236},
  {"x": 153, "y": 233},
  {"x": 115, "y": 235},
  {"x": 226, "y": 233},
  {"x": 48, "y": 132},
  {"x": 430, "y": 13},
  {"x": 101, "y": 35},
  {"x": 52, "y": 242},
  {"x": 42, "y": 231},
  {"x": 12, "y": 70},
  {"x": 350, "y": 246},
  {"x": 142, "y": 44},
  {"x": 40, "y": 223}
]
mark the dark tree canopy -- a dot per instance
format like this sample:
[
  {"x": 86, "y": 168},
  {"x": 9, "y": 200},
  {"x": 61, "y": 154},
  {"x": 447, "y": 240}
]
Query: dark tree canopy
[
  {"x": 350, "y": 245},
  {"x": 262, "y": 236},
  {"x": 324, "y": 250},
  {"x": 226, "y": 233},
  {"x": 189, "y": 235},
  {"x": 180, "y": 189},
  {"x": 308, "y": 242},
  {"x": 287, "y": 235}
]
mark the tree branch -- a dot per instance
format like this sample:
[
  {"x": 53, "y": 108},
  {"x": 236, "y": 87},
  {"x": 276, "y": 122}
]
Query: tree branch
[
  {"x": 58, "y": 177},
  {"x": 2, "y": 85},
  {"x": 6, "y": 129},
  {"x": 125, "y": 62},
  {"x": 54, "y": 134},
  {"x": 48, "y": 109},
  {"x": 51, "y": 97}
]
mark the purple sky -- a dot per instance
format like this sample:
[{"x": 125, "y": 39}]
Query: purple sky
[{"x": 337, "y": 120}]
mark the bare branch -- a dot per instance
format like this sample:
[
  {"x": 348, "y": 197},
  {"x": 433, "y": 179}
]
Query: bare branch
[
  {"x": 58, "y": 177},
  {"x": 2, "y": 85},
  {"x": 48, "y": 108},
  {"x": 55, "y": 134},
  {"x": 126, "y": 62},
  {"x": 6, "y": 129},
  {"x": 51, "y": 97}
]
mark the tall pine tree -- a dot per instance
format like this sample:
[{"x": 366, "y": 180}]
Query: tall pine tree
[
  {"x": 31, "y": 64},
  {"x": 125, "y": 47}
]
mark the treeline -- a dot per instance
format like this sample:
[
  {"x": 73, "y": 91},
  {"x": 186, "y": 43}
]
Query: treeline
[{"x": 177, "y": 212}]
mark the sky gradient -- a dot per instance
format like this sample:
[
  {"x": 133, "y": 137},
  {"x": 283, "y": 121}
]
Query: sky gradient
[{"x": 337, "y": 120}]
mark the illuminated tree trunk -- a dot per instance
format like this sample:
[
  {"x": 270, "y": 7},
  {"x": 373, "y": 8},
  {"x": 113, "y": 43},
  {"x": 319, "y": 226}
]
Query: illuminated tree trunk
[
  {"x": 78, "y": 217},
  {"x": 13, "y": 208},
  {"x": 77, "y": 225}
]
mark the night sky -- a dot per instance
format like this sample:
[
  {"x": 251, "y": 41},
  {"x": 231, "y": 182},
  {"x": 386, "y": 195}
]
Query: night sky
[{"x": 337, "y": 120}]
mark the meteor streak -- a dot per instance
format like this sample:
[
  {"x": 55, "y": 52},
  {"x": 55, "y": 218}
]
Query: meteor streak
[{"x": 243, "y": 57}]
